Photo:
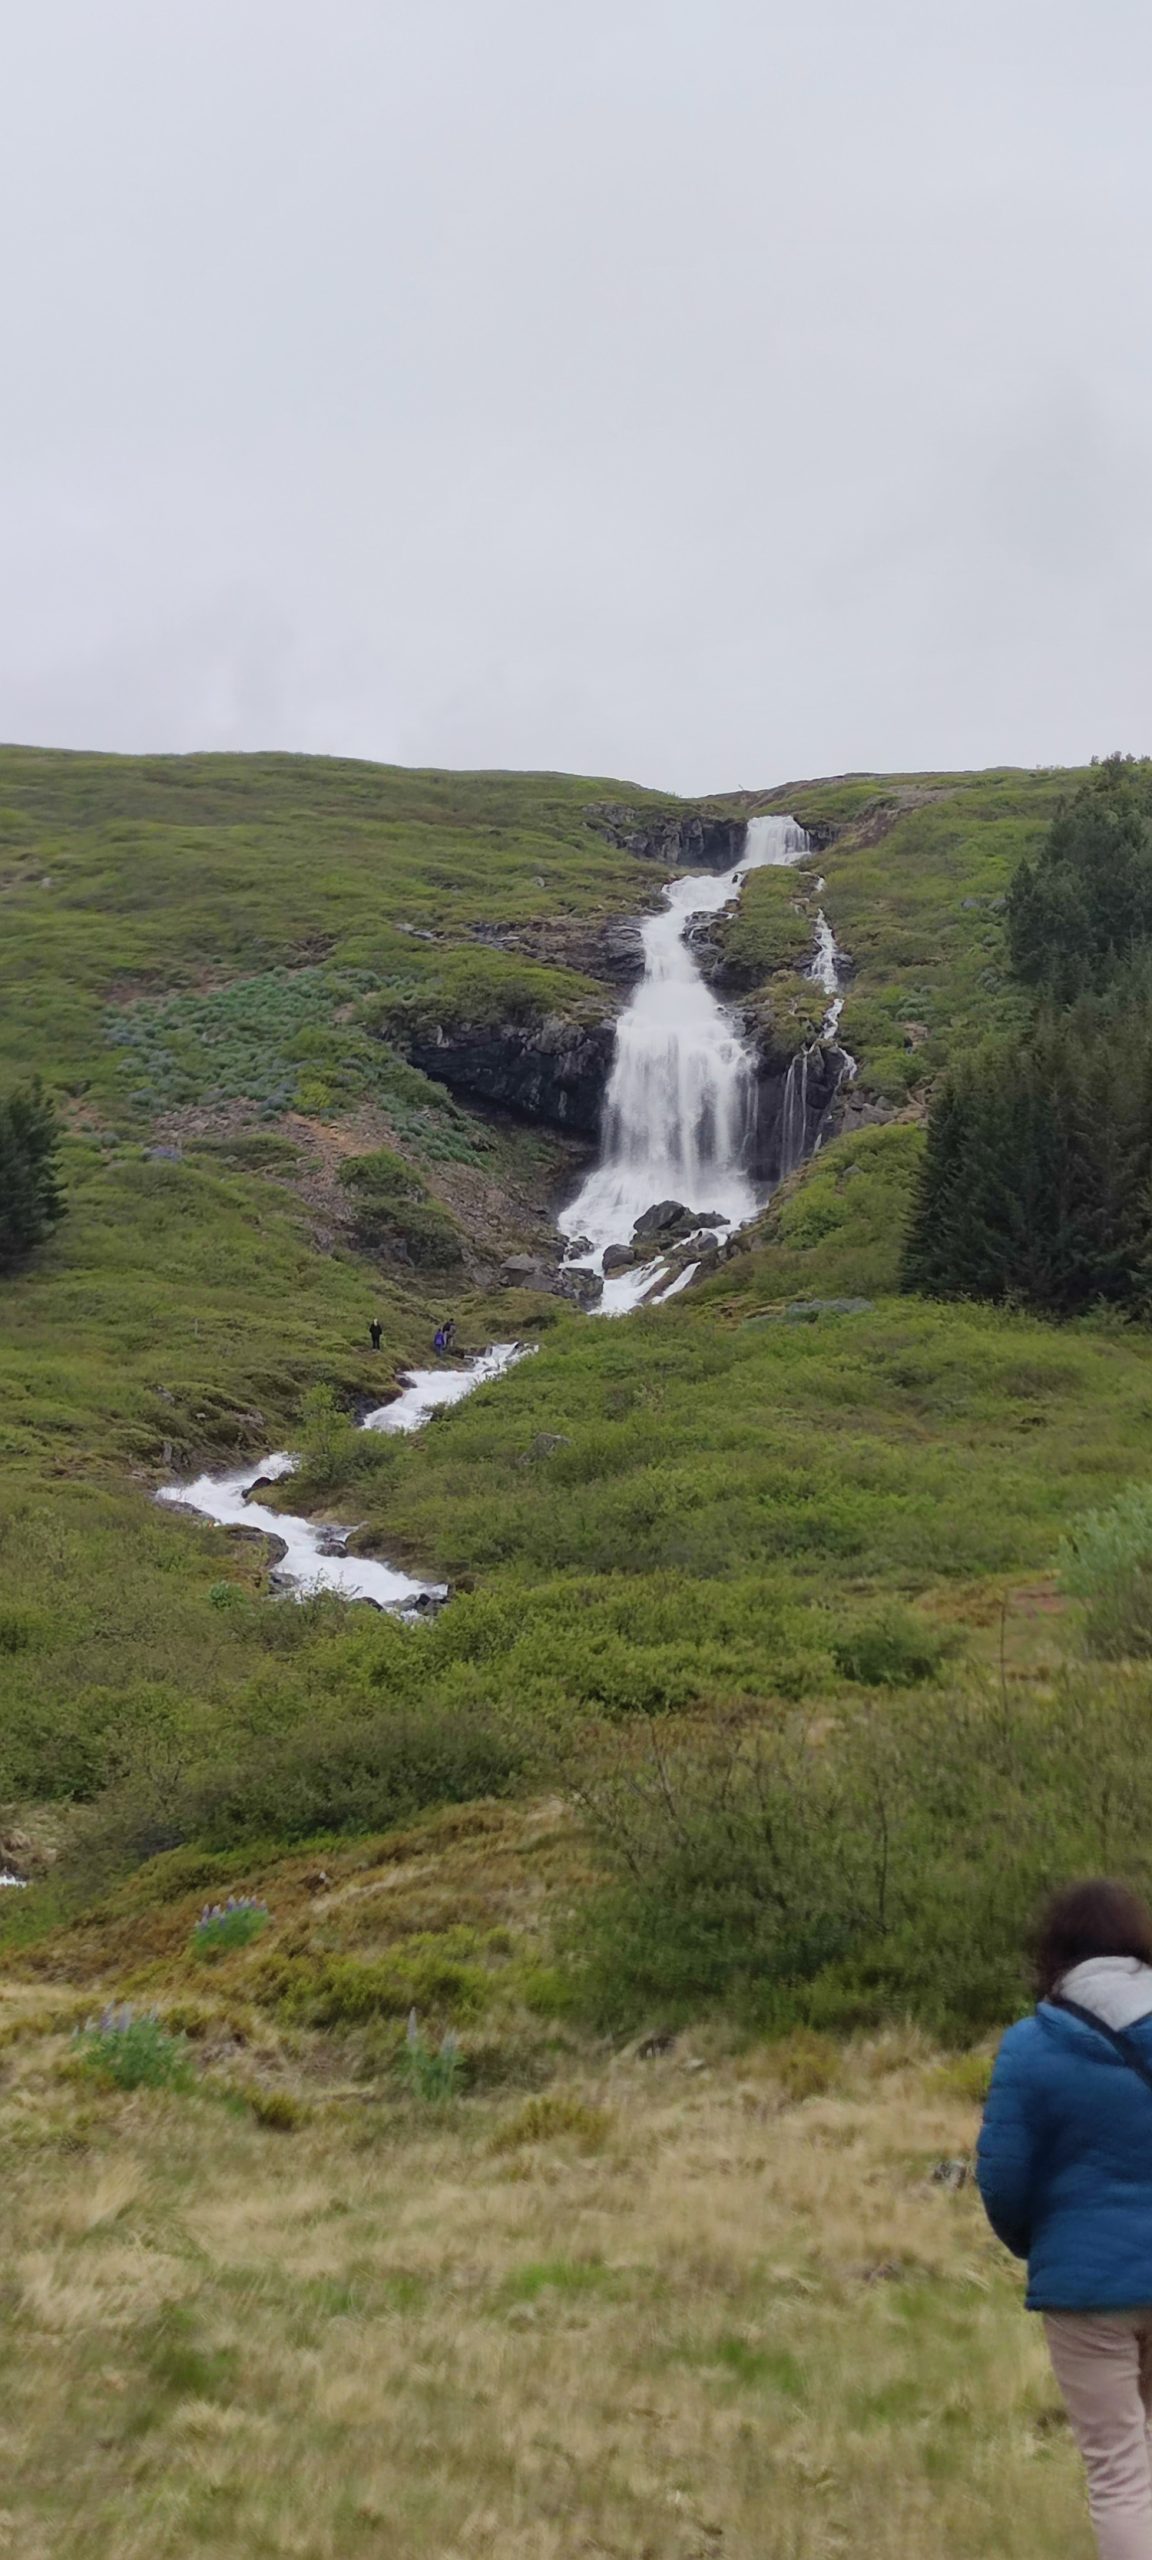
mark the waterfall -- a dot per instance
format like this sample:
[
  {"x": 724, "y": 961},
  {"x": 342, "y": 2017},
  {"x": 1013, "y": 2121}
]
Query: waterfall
[
  {"x": 678, "y": 1111},
  {"x": 794, "y": 1116}
]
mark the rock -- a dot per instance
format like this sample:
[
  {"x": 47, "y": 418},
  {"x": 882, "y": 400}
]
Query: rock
[
  {"x": 584, "y": 1288},
  {"x": 552, "y": 1070},
  {"x": 526, "y": 1271},
  {"x": 166, "y": 1155},
  {"x": 578, "y": 1246},
  {"x": 827, "y": 1072},
  {"x": 915, "y": 1034},
  {"x": 274, "y": 1548},
  {"x": 331, "y": 1540},
  {"x": 661, "y": 1218},
  {"x": 653, "y": 2046},
  {"x": 691, "y": 840},
  {"x": 618, "y": 1257},
  {"x": 952, "y": 2174}
]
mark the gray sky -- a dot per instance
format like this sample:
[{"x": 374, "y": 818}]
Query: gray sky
[{"x": 704, "y": 391}]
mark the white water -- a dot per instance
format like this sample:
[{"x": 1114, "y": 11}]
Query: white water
[
  {"x": 677, "y": 1113},
  {"x": 305, "y": 1566},
  {"x": 677, "y": 1125}
]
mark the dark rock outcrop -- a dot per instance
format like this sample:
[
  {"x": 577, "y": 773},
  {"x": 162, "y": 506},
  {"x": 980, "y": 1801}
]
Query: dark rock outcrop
[
  {"x": 684, "y": 839},
  {"x": 611, "y": 951},
  {"x": 551, "y": 1070},
  {"x": 827, "y": 1067}
]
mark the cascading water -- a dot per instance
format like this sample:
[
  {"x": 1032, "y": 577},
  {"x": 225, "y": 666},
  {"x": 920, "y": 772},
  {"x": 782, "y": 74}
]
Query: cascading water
[
  {"x": 678, "y": 1123},
  {"x": 677, "y": 1114}
]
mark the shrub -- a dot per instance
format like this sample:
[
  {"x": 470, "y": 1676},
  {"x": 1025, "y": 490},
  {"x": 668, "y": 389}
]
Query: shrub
[
  {"x": 129, "y": 2049},
  {"x": 276, "y": 2110},
  {"x": 804, "y": 2063},
  {"x": 892, "y": 1650},
  {"x": 1105, "y": 1562},
  {"x": 340, "y": 1990},
  {"x": 557, "y": 2115},
  {"x": 887, "y": 1869},
  {"x": 433, "y": 2073},
  {"x": 392, "y": 1212},
  {"x": 223, "y": 1926}
]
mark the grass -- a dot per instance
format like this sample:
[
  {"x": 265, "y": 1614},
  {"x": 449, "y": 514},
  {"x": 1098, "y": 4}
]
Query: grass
[
  {"x": 740, "y": 2319},
  {"x": 535, "y": 2296}
]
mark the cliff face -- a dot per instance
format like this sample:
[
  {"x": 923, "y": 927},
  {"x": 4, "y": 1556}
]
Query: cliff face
[
  {"x": 817, "y": 1091},
  {"x": 553, "y": 1070},
  {"x": 684, "y": 839}
]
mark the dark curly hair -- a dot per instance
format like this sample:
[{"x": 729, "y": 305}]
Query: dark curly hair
[{"x": 1097, "y": 1918}]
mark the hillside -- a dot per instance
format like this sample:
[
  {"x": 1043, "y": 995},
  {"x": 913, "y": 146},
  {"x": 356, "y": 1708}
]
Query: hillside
[{"x": 705, "y": 1815}]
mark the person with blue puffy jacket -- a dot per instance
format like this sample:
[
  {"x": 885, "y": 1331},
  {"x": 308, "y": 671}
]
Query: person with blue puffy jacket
[{"x": 1065, "y": 2170}]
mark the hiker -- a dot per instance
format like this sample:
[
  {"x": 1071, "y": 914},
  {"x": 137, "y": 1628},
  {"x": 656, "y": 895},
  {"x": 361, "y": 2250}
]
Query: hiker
[
  {"x": 449, "y": 1331},
  {"x": 438, "y": 1342},
  {"x": 1065, "y": 2170},
  {"x": 375, "y": 1329}
]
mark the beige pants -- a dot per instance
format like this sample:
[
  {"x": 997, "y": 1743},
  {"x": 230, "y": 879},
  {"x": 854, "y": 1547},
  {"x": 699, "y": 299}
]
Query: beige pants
[{"x": 1102, "y": 2361}]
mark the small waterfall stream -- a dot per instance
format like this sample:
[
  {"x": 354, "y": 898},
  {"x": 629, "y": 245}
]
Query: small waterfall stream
[
  {"x": 678, "y": 1124},
  {"x": 678, "y": 1110}
]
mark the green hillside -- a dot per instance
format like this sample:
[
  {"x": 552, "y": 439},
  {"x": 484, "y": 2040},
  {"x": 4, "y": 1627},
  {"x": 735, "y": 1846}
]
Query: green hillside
[{"x": 617, "y": 1953}]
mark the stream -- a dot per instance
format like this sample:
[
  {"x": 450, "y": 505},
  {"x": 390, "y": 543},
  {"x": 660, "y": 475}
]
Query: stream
[{"x": 678, "y": 1121}]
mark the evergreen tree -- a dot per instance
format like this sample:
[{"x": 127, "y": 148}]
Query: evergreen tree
[
  {"x": 1083, "y": 909},
  {"x": 31, "y": 1200},
  {"x": 1036, "y": 1183}
]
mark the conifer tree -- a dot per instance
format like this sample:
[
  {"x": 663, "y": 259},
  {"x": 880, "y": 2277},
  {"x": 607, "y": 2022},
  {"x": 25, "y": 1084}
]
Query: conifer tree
[{"x": 31, "y": 1200}]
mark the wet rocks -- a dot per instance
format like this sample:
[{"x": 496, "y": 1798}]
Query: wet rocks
[
  {"x": 561, "y": 1280},
  {"x": 552, "y": 1070},
  {"x": 618, "y": 1257},
  {"x": 686, "y": 839},
  {"x": 667, "y": 1221},
  {"x": 828, "y": 1067},
  {"x": 584, "y": 1288}
]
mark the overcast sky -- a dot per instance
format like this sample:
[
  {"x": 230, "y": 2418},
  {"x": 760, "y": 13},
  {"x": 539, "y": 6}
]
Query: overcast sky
[{"x": 710, "y": 392}]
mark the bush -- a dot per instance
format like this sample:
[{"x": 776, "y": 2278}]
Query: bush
[
  {"x": 129, "y": 2049},
  {"x": 276, "y": 2110},
  {"x": 223, "y": 1926},
  {"x": 433, "y": 2073},
  {"x": 889, "y": 1869},
  {"x": 31, "y": 1200},
  {"x": 557, "y": 2115},
  {"x": 392, "y": 1212},
  {"x": 1105, "y": 1562},
  {"x": 892, "y": 1650}
]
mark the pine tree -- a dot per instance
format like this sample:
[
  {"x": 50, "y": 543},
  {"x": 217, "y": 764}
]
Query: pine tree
[{"x": 31, "y": 1200}]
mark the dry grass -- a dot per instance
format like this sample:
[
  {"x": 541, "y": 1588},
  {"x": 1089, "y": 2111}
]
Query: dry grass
[{"x": 746, "y": 2324}]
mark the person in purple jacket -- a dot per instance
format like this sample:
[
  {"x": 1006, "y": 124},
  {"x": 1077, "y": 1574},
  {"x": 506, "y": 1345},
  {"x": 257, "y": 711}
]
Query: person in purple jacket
[{"x": 1065, "y": 2170}]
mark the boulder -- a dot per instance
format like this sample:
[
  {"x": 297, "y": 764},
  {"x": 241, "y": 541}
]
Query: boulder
[
  {"x": 661, "y": 1218},
  {"x": 583, "y": 1287},
  {"x": 618, "y": 1257},
  {"x": 527, "y": 1271}
]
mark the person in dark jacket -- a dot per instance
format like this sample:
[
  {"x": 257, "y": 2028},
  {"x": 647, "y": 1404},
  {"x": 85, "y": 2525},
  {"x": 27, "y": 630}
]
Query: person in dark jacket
[{"x": 1065, "y": 2170}]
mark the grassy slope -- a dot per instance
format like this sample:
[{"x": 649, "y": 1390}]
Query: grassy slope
[
  {"x": 700, "y": 2313},
  {"x": 229, "y": 2336},
  {"x": 914, "y": 878}
]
